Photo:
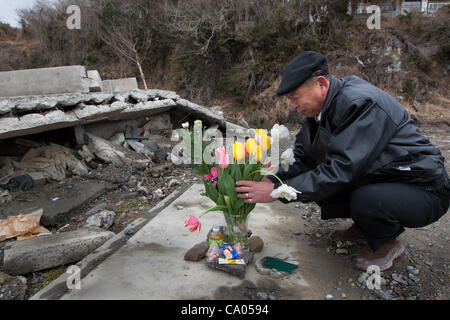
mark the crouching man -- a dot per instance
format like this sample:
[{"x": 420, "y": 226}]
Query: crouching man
[{"x": 358, "y": 155}]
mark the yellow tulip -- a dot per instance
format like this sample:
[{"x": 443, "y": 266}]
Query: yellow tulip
[
  {"x": 261, "y": 131},
  {"x": 251, "y": 146},
  {"x": 238, "y": 151},
  {"x": 263, "y": 139}
]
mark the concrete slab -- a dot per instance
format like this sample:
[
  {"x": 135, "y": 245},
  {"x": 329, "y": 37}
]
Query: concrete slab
[
  {"x": 151, "y": 266},
  {"x": 43, "y": 81},
  {"x": 25, "y": 256},
  {"x": 57, "y": 200}
]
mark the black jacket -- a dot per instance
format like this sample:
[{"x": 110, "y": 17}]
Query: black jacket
[{"x": 364, "y": 136}]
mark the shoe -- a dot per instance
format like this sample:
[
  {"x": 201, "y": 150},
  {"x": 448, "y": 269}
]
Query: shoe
[
  {"x": 351, "y": 234},
  {"x": 383, "y": 257}
]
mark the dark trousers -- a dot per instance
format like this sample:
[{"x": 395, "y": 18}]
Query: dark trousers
[{"x": 383, "y": 210}]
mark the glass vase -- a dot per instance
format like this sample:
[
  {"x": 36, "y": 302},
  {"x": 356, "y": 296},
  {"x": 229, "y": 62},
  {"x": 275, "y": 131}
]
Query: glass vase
[{"x": 237, "y": 231}]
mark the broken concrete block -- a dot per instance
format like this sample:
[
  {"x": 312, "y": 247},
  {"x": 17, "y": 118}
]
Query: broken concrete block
[
  {"x": 43, "y": 81},
  {"x": 116, "y": 155},
  {"x": 103, "y": 219},
  {"x": 94, "y": 80},
  {"x": 22, "y": 257}
]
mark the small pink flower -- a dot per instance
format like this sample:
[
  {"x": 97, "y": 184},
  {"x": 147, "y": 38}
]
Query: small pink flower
[
  {"x": 193, "y": 223},
  {"x": 224, "y": 159},
  {"x": 212, "y": 176},
  {"x": 267, "y": 163}
]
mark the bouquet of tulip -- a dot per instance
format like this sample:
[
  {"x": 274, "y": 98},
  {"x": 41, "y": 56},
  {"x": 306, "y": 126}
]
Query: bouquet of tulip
[{"x": 245, "y": 161}]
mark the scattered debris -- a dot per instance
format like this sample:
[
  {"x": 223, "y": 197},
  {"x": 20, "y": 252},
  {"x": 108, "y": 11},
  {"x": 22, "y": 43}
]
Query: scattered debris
[{"x": 24, "y": 225}]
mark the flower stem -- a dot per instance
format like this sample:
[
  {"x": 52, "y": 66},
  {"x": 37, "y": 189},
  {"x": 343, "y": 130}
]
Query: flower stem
[{"x": 268, "y": 172}]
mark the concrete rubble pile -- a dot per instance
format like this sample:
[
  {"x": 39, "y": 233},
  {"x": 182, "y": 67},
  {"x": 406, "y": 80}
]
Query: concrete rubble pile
[{"x": 107, "y": 131}]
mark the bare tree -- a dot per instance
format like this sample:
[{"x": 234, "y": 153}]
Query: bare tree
[{"x": 128, "y": 38}]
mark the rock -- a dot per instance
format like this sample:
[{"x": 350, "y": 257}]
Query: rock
[
  {"x": 343, "y": 295},
  {"x": 413, "y": 277},
  {"x": 329, "y": 297},
  {"x": 385, "y": 295},
  {"x": 255, "y": 244},
  {"x": 341, "y": 251},
  {"x": 411, "y": 283},
  {"x": 261, "y": 295},
  {"x": 5, "y": 196},
  {"x": 180, "y": 207},
  {"x": 12, "y": 288},
  {"x": 197, "y": 252},
  {"x": 174, "y": 182},
  {"x": 261, "y": 270},
  {"x": 412, "y": 270},
  {"x": 128, "y": 232},
  {"x": 103, "y": 219},
  {"x": 159, "y": 193},
  {"x": 161, "y": 154},
  {"x": 251, "y": 285},
  {"x": 429, "y": 263},
  {"x": 362, "y": 278},
  {"x": 272, "y": 297},
  {"x": 130, "y": 195},
  {"x": 277, "y": 274},
  {"x": 399, "y": 278}
]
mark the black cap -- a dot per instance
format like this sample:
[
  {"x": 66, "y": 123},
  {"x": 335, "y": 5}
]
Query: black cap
[{"x": 301, "y": 69}]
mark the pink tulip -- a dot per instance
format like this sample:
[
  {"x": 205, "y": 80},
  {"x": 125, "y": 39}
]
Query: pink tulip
[
  {"x": 193, "y": 223},
  {"x": 223, "y": 157},
  {"x": 212, "y": 176},
  {"x": 245, "y": 149}
]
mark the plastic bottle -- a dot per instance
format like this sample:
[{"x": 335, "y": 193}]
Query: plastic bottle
[{"x": 216, "y": 236}]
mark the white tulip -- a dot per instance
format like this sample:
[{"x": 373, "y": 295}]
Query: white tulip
[
  {"x": 279, "y": 132},
  {"x": 285, "y": 191},
  {"x": 185, "y": 125},
  {"x": 287, "y": 159}
]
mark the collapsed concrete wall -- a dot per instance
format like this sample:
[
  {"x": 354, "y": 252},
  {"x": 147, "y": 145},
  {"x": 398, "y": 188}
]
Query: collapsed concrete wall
[{"x": 21, "y": 116}]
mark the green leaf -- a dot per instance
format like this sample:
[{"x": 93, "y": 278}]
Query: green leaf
[
  {"x": 215, "y": 208},
  {"x": 211, "y": 191},
  {"x": 247, "y": 171}
]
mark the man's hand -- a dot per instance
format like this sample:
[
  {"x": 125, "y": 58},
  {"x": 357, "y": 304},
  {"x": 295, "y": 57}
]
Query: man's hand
[{"x": 255, "y": 192}]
